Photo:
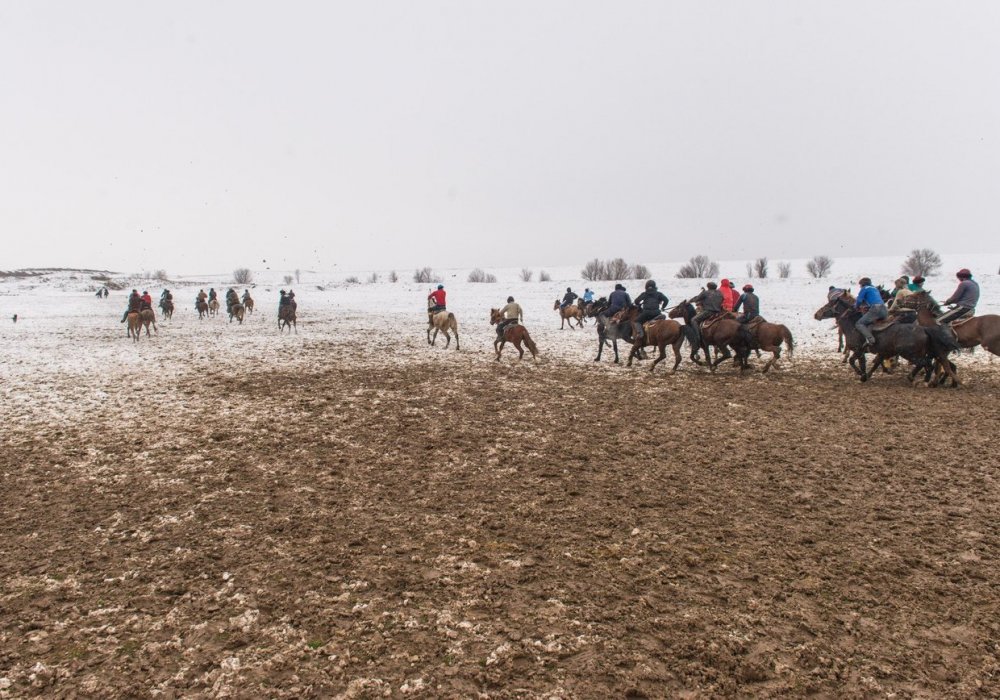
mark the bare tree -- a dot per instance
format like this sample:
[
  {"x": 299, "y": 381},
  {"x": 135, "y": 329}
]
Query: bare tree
[
  {"x": 784, "y": 270},
  {"x": 423, "y": 275},
  {"x": 288, "y": 279},
  {"x": 479, "y": 275},
  {"x": 749, "y": 269},
  {"x": 544, "y": 276},
  {"x": 242, "y": 275},
  {"x": 640, "y": 271},
  {"x": 760, "y": 267},
  {"x": 526, "y": 274},
  {"x": 594, "y": 270},
  {"x": 160, "y": 275},
  {"x": 352, "y": 280},
  {"x": 297, "y": 275},
  {"x": 819, "y": 266},
  {"x": 393, "y": 277},
  {"x": 373, "y": 278},
  {"x": 698, "y": 267},
  {"x": 921, "y": 261},
  {"x": 618, "y": 269}
]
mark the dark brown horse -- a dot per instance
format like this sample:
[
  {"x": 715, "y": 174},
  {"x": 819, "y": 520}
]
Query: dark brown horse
[
  {"x": 514, "y": 333},
  {"x": 202, "y": 306},
  {"x": 921, "y": 345},
  {"x": 608, "y": 330},
  {"x": 167, "y": 308},
  {"x": 768, "y": 337},
  {"x": 286, "y": 316},
  {"x": 978, "y": 330},
  {"x": 722, "y": 333},
  {"x": 659, "y": 334}
]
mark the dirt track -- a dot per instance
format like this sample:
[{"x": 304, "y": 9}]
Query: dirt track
[{"x": 449, "y": 527}]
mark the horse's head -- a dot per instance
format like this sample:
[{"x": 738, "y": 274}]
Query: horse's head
[
  {"x": 884, "y": 293},
  {"x": 597, "y": 307},
  {"x": 683, "y": 310},
  {"x": 555, "y": 307},
  {"x": 835, "y": 306},
  {"x": 495, "y": 317},
  {"x": 629, "y": 313}
]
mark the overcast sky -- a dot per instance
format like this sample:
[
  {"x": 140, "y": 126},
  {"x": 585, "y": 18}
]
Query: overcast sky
[{"x": 199, "y": 136}]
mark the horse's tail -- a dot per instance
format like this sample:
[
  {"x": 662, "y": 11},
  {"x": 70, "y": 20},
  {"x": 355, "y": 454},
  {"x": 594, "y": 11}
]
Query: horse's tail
[
  {"x": 943, "y": 340},
  {"x": 789, "y": 343},
  {"x": 531, "y": 344},
  {"x": 452, "y": 321}
]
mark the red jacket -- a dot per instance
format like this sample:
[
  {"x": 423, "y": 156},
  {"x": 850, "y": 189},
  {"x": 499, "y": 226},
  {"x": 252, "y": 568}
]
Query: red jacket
[
  {"x": 729, "y": 295},
  {"x": 148, "y": 300},
  {"x": 438, "y": 296}
]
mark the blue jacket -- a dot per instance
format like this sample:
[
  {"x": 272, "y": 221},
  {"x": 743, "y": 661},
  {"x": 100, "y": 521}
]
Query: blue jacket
[
  {"x": 868, "y": 295},
  {"x": 619, "y": 299},
  {"x": 588, "y": 296}
]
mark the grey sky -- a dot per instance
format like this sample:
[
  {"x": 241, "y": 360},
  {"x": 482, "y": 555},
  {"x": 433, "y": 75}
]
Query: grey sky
[{"x": 205, "y": 135}]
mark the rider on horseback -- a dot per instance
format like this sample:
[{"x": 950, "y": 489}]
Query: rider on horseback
[
  {"x": 283, "y": 300},
  {"x": 617, "y": 300},
  {"x": 438, "y": 297},
  {"x": 568, "y": 298},
  {"x": 147, "y": 301},
  {"x": 231, "y": 298},
  {"x": 870, "y": 302},
  {"x": 711, "y": 305},
  {"x": 750, "y": 303},
  {"x": 512, "y": 313},
  {"x": 588, "y": 296},
  {"x": 652, "y": 302},
  {"x": 134, "y": 304},
  {"x": 965, "y": 298}
]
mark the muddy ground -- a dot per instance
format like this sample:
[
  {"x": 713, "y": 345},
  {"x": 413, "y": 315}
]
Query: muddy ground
[{"x": 448, "y": 527}]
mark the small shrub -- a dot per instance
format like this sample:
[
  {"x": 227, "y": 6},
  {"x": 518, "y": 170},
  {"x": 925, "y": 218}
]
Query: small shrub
[
  {"x": 749, "y": 269},
  {"x": 760, "y": 267},
  {"x": 297, "y": 275},
  {"x": 373, "y": 278},
  {"x": 922, "y": 261},
  {"x": 393, "y": 277},
  {"x": 593, "y": 271},
  {"x": 160, "y": 275},
  {"x": 526, "y": 274},
  {"x": 423, "y": 275},
  {"x": 288, "y": 279},
  {"x": 479, "y": 275},
  {"x": 544, "y": 276},
  {"x": 819, "y": 266},
  {"x": 242, "y": 275},
  {"x": 698, "y": 267},
  {"x": 640, "y": 271},
  {"x": 784, "y": 270},
  {"x": 352, "y": 280},
  {"x": 618, "y": 269}
]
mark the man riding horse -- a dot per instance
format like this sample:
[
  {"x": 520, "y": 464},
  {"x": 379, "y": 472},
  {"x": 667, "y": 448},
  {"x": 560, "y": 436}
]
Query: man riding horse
[
  {"x": 512, "y": 313},
  {"x": 710, "y": 299},
  {"x": 652, "y": 302},
  {"x": 965, "y": 298},
  {"x": 750, "y": 303}
]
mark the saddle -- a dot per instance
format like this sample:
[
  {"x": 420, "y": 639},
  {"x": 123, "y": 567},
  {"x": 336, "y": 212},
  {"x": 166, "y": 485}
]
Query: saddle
[
  {"x": 757, "y": 320},
  {"x": 712, "y": 320},
  {"x": 961, "y": 321},
  {"x": 891, "y": 321}
]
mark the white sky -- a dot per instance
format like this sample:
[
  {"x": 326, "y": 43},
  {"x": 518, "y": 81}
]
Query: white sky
[{"x": 207, "y": 135}]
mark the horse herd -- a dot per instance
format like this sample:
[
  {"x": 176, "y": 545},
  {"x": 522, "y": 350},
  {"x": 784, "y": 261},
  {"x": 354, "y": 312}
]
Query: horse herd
[{"x": 911, "y": 333}]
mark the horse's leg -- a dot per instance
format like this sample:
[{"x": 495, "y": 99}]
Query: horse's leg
[
  {"x": 677, "y": 351},
  {"x": 633, "y": 352},
  {"x": 503, "y": 342},
  {"x": 447, "y": 338},
  {"x": 662, "y": 347},
  {"x": 456, "y": 337},
  {"x": 614, "y": 344}
]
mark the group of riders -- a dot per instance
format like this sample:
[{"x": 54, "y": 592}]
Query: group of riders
[
  {"x": 232, "y": 297},
  {"x": 877, "y": 304}
]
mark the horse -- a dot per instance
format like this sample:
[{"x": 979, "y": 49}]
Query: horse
[
  {"x": 658, "y": 333},
  {"x": 514, "y": 333},
  {"x": 134, "y": 325},
  {"x": 768, "y": 337},
  {"x": 202, "y": 308},
  {"x": 608, "y": 329},
  {"x": 979, "y": 330},
  {"x": 248, "y": 303},
  {"x": 167, "y": 308},
  {"x": 442, "y": 322},
  {"x": 236, "y": 311},
  {"x": 722, "y": 331},
  {"x": 571, "y": 312},
  {"x": 213, "y": 307},
  {"x": 920, "y": 345},
  {"x": 147, "y": 316},
  {"x": 286, "y": 316}
]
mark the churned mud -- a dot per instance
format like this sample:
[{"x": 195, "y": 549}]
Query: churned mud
[{"x": 345, "y": 519}]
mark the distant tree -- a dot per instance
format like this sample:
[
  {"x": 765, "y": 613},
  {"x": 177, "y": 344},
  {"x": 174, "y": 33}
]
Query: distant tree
[
  {"x": 594, "y": 270},
  {"x": 393, "y": 277},
  {"x": 749, "y": 269},
  {"x": 479, "y": 275},
  {"x": 373, "y": 278},
  {"x": 242, "y": 275},
  {"x": 544, "y": 276},
  {"x": 698, "y": 267},
  {"x": 618, "y": 269},
  {"x": 784, "y": 270},
  {"x": 160, "y": 275},
  {"x": 288, "y": 279},
  {"x": 760, "y": 267},
  {"x": 819, "y": 266},
  {"x": 921, "y": 261},
  {"x": 423, "y": 275},
  {"x": 526, "y": 274},
  {"x": 640, "y": 271},
  {"x": 352, "y": 280},
  {"x": 297, "y": 274}
]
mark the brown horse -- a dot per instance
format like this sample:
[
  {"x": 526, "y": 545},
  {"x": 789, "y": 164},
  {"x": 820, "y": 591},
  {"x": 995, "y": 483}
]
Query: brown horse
[
  {"x": 768, "y": 337},
  {"x": 167, "y": 308},
  {"x": 571, "y": 312},
  {"x": 146, "y": 317},
  {"x": 248, "y": 303},
  {"x": 134, "y": 325},
  {"x": 514, "y": 333},
  {"x": 202, "y": 308},
  {"x": 978, "y": 330},
  {"x": 236, "y": 311},
  {"x": 286, "y": 317},
  {"x": 442, "y": 321},
  {"x": 721, "y": 332},
  {"x": 213, "y": 307},
  {"x": 658, "y": 334}
]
